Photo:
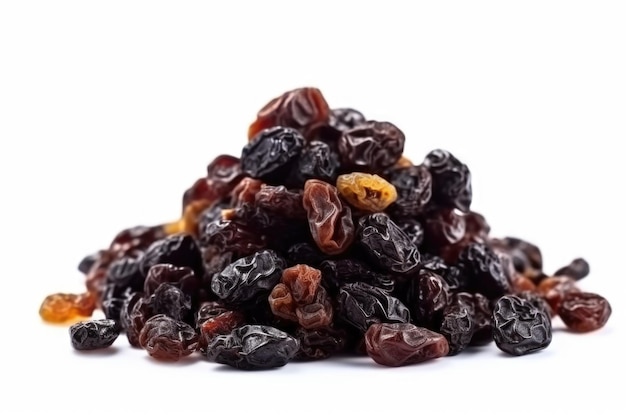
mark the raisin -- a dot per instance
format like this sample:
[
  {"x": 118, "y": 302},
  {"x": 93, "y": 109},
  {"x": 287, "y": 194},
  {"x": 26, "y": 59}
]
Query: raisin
[
  {"x": 248, "y": 278},
  {"x": 178, "y": 250},
  {"x": 62, "y": 307},
  {"x": 484, "y": 270},
  {"x": 443, "y": 228},
  {"x": 280, "y": 201},
  {"x": 430, "y": 295},
  {"x": 413, "y": 229},
  {"x": 253, "y": 347},
  {"x": 305, "y": 253},
  {"x": 167, "y": 339},
  {"x": 270, "y": 153},
  {"x": 520, "y": 328},
  {"x": 140, "y": 312},
  {"x": 527, "y": 258},
  {"x": 537, "y": 301},
  {"x": 94, "y": 334},
  {"x": 584, "y": 311},
  {"x": 482, "y": 313},
  {"x": 233, "y": 236},
  {"x": 577, "y": 269},
  {"x": 413, "y": 185},
  {"x": 133, "y": 241},
  {"x": 124, "y": 274},
  {"x": 209, "y": 310},
  {"x": 172, "y": 302},
  {"x": 330, "y": 221},
  {"x": 400, "y": 344},
  {"x": 387, "y": 245},
  {"x": 300, "y": 298},
  {"x": 456, "y": 279},
  {"x": 361, "y": 305},
  {"x": 221, "y": 324},
  {"x": 343, "y": 119},
  {"x": 457, "y": 325},
  {"x": 451, "y": 180},
  {"x": 303, "y": 109},
  {"x": 320, "y": 343},
  {"x": 371, "y": 147},
  {"x": 182, "y": 277},
  {"x": 336, "y": 272},
  {"x": 317, "y": 161},
  {"x": 366, "y": 192},
  {"x": 245, "y": 192}
]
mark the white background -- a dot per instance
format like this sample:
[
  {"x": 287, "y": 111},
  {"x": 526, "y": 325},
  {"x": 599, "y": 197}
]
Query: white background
[{"x": 109, "y": 110}]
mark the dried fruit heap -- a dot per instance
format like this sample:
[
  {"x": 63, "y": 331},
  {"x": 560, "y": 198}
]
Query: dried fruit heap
[{"x": 323, "y": 238}]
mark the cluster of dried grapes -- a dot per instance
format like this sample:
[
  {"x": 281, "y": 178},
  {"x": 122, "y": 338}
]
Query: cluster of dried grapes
[{"x": 322, "y": 238}]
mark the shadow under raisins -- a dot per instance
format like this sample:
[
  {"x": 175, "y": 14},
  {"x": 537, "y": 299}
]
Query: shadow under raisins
[
  {"x": 226, "y": 368},
  {"x": 98, "y": 353}
]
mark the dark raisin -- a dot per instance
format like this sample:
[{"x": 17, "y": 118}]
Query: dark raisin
[
  {"x": 253, "y": 347},
  {"x": 577, "y": 269},
  {"x": 362, "y": 305},
  {"x": 269, "y": 154},
  {"x": 484, "y": 269},
  {"x": 451, "y": 180},
  {"x": 317, "y": 161},
  {"x": 414, "y": 188},
  {"x": 178, "y": 250},
  {"x": 320, "y": 343},
  {"x": 387, "y": 245},
  {"x": 520, "y": 328},
  {"x": 457, "y": 325},
  {"x": 94, "y": 334},
  {"x": 248, "y": 278}
]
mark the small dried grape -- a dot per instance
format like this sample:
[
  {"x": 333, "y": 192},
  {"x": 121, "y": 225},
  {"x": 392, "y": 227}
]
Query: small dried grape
[
  {"x": 371, "y": 146},
  {"x": 366, "y": 192},
  {"x": 399, "y": 344},
  {"x": 94, "y": 334},
  {"x": 62, "y": 307},
  {"x": 584, "y": 311},
  {"x": 167, "y": 339}
]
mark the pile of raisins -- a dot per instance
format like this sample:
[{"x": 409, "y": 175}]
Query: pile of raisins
[{"x": 320, "y": 239}]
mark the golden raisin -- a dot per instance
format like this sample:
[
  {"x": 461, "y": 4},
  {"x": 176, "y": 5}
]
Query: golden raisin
[
  {"x": 367, "y": 192},
  {"x": 62, "y": 307}
]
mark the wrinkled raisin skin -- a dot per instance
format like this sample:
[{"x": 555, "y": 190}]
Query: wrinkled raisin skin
[
  {"x": 401, "y": 344},
  {"x": 413, "y": 185},
  {"x": 584, "y": 312},
  {"x": 94, "y": 334},
  {"x": 387, "y": 245},
  {"x": 167, "y": 339},
  {"x": 303, "y": 109},
  {"x": 519, "y": 328},
  {"x": 252, "y": 347},
  {"x": 330, "y": 221},
  {"x": 371, "y": 147},
  {"x": 451, "y": 180},
  {"x": 269, "y": 154},
  {"x": 367, "y": 192}
]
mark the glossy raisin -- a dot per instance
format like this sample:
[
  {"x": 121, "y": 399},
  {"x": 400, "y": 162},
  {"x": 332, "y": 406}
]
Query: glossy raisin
[
  {"x": 88, "y": 261},
  {"x": 270, "y": 153},
  {"x": 94, "y": 334},
  {"x": 248, "y": 278},
  {"x": 457, "y": 326},
  {"x": 361, "y": 305},
  {"x": 456, "y": 279},
  {"x": 451, "y": 180},
  {"x": 178, "y": 250},
  {"x": 253, "y": 347},
  {"x": 167, "y": 339},
  {"x": 413, "y": 185},
  {"x": 399, "y": 344},
  {"x": 280, "y": 201},
  {"x": 526, "y": 257},
  {"x": 233, "y": 236},
  {"x": 584, "y": 312},
  {"x": 337, "y": 272},
  {"x": 443, "y": 228},
  {"x": 520, "y": 328},
  {"x": 330, "y": 221},
  {"x": 303, "y": 109},
  {"x": 320, "y": 343},
  {"x": 367, "y": 192},
  {"x": 172, "y": 302},
  {"x": 316, "y": 161},
  {"x": 221, "y": 324},
  {"x": 484, "y": 269},
  {"x": 387, "y": 245},
  {"x": 371, "y": 147},
  {"x": 429, "y": 296},
  {"x": 554, "y": 290}
]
